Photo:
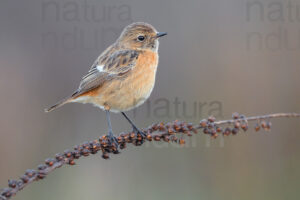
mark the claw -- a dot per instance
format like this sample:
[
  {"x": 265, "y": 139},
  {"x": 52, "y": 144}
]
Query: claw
[
  {"x": 113, "y": 141},
  {"x": 139, "y": 132},
  {"x": 139, "y": 137}
]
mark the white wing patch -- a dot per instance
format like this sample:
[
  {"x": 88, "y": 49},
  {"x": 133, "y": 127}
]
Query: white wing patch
[{"x": 100, "y": 68}]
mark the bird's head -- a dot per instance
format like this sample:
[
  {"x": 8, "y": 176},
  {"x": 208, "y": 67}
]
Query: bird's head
[{"x": 140, "y": 36}]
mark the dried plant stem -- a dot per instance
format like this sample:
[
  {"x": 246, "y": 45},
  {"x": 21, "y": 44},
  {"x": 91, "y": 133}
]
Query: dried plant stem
[
  {"x": 156, "y": 132},
  {"x": 262, "y": 117}
]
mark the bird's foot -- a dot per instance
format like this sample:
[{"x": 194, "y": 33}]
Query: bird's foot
[
  {"x": 113, "y": 142},
  {"x": 139, "y": 136},
  {"x": 138, "y": 132}
]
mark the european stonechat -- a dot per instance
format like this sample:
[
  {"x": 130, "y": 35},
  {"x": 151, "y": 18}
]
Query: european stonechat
[{"x": 123, "y": 76}]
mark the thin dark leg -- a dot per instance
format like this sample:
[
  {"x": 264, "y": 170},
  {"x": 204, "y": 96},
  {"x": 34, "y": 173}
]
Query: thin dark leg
[
  {"x": 111, "y": 136},
  {"x": 109, "y": 123},
  {"x": 135, "y": 129}
]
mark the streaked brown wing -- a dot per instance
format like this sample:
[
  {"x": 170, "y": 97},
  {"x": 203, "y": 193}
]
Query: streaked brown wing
[
  {"x": 119, "y": 61},
  {"x": 115, "y": 66}
]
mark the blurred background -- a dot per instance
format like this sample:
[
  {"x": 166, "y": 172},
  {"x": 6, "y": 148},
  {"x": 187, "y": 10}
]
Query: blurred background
[{"x": 219, "y": 57}]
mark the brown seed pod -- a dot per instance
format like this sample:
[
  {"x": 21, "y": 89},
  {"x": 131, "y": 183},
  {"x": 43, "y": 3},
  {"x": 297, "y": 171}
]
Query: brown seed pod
[
  {"x": 132, "y": 135},
  {"x": 68, "y": 153},
  {"x": 227, "y": 132},
  {"x": 59, "y": 157},
  {"x": 114, "y": 149},
  {"x": 149, "y": 137},
  {"x": 24, "y": 178},
  {"x": 41, "y": 175},
  {"x": 166, "y": 138},
  {"x": 126, "y": 137},
  {"x": 263, "y": 124},
  {"x": 244, "y": 126},
  {"x": 86, "y": 145},
  {"x": 95, "y": 146},
  {"x": 237, "y": 124},
  {"x": 181, "y": 141},
  {"x": 174, "y": 139},
  {"x": 190, "y": 126},
  {"x": 235, "y": 115},
  {"x": 104, "y": 144},
  {"x": 211, "y": 119},
  {"x": 170, "y": 130},
  {"x": 76, "y": 154},
  {"x": 49, "y": 161},
  {"x": 203, "y": 123},
  {"x": 85, "y": 152},
  {"x": 213, "y": 131},
  {"x": 102, "y": 138},
  {"x": 176, "y": 126},
  {"x": 42, "y": 167},
  {"x": 157, "y": 138},
  {"x": 206, "y": 131},
  {"x": 195, "y": 131},
  {"x": 7, "y": 192},
  {"x": 214, "y": 136},
  {"x": 210, "y": 125},
  {"x": 122, "y": 145},
  {"x": 72, "y": 162},
  {"x": 235, "y": 131},
  {"x": 155, "y": 127},
  {"x": 269, "y": 125},
  {"x": 161, "y": 127},
  {"x": 105, "y": 156},
  {"x": 30, "y": 173},
  {"x": 119, "y": 139},
  {"x": 257, "y": 127},
  {"x": 12, "y": 183}
]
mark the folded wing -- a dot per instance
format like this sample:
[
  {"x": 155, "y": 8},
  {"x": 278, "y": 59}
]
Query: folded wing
[{"x": 117, "y": 65}]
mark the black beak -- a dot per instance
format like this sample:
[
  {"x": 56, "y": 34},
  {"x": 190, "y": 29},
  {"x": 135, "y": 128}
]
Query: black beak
[{"x": 160, "y": 34}]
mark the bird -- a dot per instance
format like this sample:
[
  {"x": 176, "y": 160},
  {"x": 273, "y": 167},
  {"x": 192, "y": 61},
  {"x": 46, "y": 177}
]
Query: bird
[{"x": 122, "y": 77}]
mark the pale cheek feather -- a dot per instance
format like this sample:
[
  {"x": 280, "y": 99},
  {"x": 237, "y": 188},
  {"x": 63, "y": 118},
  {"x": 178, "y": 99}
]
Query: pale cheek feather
[{"x": 156, "y": 46}]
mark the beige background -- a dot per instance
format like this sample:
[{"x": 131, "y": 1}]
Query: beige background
[{"x": 206, "y": 57}]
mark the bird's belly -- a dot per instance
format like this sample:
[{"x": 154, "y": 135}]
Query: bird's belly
[{"x": 129, "y": 92}]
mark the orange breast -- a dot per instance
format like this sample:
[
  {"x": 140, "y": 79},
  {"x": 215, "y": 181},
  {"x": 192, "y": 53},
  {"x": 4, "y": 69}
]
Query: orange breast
[{"x": 126, "y": 93}]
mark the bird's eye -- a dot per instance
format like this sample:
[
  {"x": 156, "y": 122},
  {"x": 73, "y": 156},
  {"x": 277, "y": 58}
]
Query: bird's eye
[{"x": 141, "y": 38}]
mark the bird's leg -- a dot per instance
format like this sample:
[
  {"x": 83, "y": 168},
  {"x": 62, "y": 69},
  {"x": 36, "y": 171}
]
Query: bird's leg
[
  {"x": 112, "y": 139},
  {"x": 135, "y": 129}
]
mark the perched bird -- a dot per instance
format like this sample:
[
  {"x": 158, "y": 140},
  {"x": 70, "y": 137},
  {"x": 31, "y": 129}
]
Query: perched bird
[{"x": 123, "y": 76}]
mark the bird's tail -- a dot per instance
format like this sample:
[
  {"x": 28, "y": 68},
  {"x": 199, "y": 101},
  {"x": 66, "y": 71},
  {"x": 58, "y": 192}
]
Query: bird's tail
[{"x": 58, "y": 104}]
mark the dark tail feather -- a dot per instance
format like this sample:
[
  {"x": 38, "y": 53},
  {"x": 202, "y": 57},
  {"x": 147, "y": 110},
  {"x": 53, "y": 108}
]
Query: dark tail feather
[{"x": 59, "y": 104}]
